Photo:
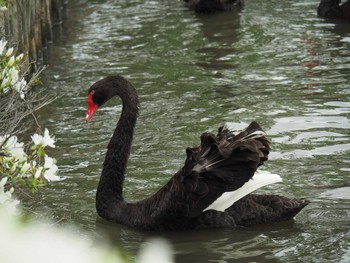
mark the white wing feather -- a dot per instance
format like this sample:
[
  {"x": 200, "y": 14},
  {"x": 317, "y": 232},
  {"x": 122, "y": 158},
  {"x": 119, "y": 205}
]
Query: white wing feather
[{"x": 260, "y": 179}]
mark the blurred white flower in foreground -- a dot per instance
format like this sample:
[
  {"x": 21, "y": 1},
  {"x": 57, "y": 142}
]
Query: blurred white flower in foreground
[
  {"x": 155, "y": 251},
  {"x": 6, "y": 199},
  {"x": 42, "y": 243},
  {"x": 34, "y": 242}
]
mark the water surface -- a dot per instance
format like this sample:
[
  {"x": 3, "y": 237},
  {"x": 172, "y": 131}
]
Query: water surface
[{"x": 275, "y": 62}]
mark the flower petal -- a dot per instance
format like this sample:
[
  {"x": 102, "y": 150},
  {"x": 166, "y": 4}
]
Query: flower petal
[
  {"x": 37, "y": 139},
  {"x": 48, "y": 140}
]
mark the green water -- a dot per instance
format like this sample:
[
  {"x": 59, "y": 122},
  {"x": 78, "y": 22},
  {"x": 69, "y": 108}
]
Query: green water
[{"x": 194, "y": 73}]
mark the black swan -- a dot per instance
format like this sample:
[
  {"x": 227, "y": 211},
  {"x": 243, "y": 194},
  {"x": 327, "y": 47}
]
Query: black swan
[
  {"x": 212, "y": 6},
  {"x": 334, "y": 9},
  {"x": 202, "y": 194}
]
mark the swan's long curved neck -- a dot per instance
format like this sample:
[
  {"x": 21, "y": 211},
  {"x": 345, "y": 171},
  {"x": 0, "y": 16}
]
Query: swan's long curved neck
[{"x": 110, "y": 189}]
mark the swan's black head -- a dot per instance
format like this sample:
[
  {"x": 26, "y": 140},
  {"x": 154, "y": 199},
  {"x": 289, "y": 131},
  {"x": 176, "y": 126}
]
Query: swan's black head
[{"x": 105, "y": 89}]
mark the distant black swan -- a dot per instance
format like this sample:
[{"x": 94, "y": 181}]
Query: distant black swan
[
  {"x": 211, "y": 6},
  {"x": 211, "y": 190}
]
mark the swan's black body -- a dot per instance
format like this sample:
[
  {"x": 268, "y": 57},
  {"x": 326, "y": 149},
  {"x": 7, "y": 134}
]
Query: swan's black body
[
  {"x": 212, "y": 6},
  {"x": 334, "y": 9},
  {"x": 221, "y": 163}
]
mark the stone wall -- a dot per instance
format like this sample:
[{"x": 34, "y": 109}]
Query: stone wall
[{"x": 27, "y": 25}]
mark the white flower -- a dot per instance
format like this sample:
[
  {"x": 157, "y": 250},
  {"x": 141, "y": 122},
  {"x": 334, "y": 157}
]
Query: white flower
[
  {"x": 6, "y": 199},
  {"x": 16, "y": 149},
  {"x": 13, "y": 148},
  {"x": 36, "y": 138},
  {"x": 21, "y": 87},
  {"x": 49, "y": 162},
  {"x": 13, "y": 75},
  {"x": 11, "y": 61},
  {"x": 24, "y": 169},
  {"x": 50, "y": 174},
  {"x": 19, "y": 57},
  {"x": 21, "y": 95},
  {"x": 45, "y": 140},
  {"x": 48, "y": 140},
  {"x": 9, "y": 52},
  {"x": 51, "y": 169},
  {"x": 38, "y": 172}
]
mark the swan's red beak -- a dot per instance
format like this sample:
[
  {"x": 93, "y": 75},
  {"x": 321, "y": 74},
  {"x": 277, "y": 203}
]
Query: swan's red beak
[{"x": 92, "y": 107}]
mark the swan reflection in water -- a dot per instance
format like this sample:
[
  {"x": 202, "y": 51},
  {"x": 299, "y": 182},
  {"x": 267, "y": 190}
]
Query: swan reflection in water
[{"x": 209, "y": 244}]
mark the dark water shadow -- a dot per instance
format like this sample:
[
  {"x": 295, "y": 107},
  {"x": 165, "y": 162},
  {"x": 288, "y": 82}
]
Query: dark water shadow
[
  {"x": 222, "y": 31},
  {"x": 340, "y": 28}
]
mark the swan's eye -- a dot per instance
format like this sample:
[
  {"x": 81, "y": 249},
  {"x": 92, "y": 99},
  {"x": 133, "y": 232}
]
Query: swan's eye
[{"x": 92, "y": 92}]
